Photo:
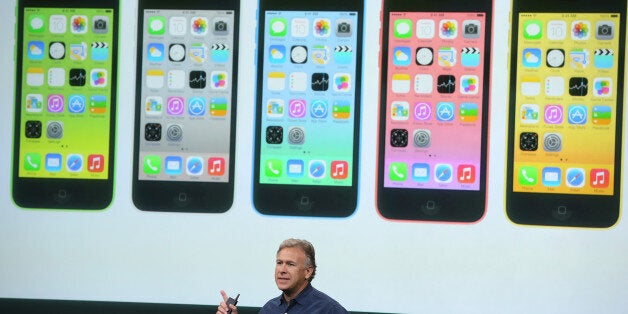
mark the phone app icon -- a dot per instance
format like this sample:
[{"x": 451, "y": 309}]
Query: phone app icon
[
  {"x": 274, "y": 134},
  {"x": 153, "y": 105},
  {"x": 470, "y": 56},
  {"x": 220, "y": 53},
  {"x": 176, "y": 52},
  {"x": 402, "y": 28},
  {"x": 156, "y": 25},
  {"x": 276, "y": 81},
  {"x": 603, "y": 86},
  {"x": 552, "y": 142},
  {"x": 218, "y": 106},
  {"x": 398, "y": 171},
  {"x": 580, "y": 30},
  {"x": 197, "y": 106},
  {"x": 401, "y": 56},
  {"x": 529, "y": 114},
  {"x": 466, "y": 174},
  {"x": 469, "y": 84},
  {"x": 32, "y": 129},
  {"x": 275, "y": 108},
  {"x": 446, "y": 84},
  {"x": 529, "y": 141},
  {"x": 319, "y": 109},
  {"x": 78, "y": 77},
  {"x": 56, "y": 77},
  {"x": 400, "y": 83},
  {"x": 420, "y": 172},
  {"x": 320, "y": 81},
  {"x": 152, "y": 164},
  {"x": 599, "y": 178},
  {"x": 575, "y": 177},
  {"x": 341, "y": 109},
  {"x": 343, "y": 54},
  {"x": 578, "y": 86},
  {"x": 424, "y": 56},
  {"x": 448, "y": 29},
  {"x": 278, "y": 27},
  {"x": 577, "y": 114},
  {"x": 602, "y": 115},
  {"x": 219, "y": 80},
  {"x": 194, "y": 166},
  {"x": 445, "y": 111},
  {"x": 54, "y": 162},
  {"x": 553, "y": 114},
  {"x": 422, "y": 111},
  {"x": 530, "y": 85},
  {"x": 295, "y": 168},
  {"x": 56, "y": 103},
  {"x": 532, "y": 29},
  {"x": 299, "y": 27},
  {"x": 56, "y": 50},
  {"x": 339, "y": 169},
  {"x": 155, "y": 52},
  {"x": 34, "y": 103},
  {"x": 468, "y": 112},
  {"x": 399, "y": 138},
  {"x": 198, "y": 79},
  {"x": 296, "y": 108},
  {"x": 32, "y": 162},
  {"x": 528, "y": 176},
  {"x": 555, "y": 58},
  {"x": 74, "y": 163},
  {"x": 423, "y": 84},
  {"x": 551, "y": 176},
  {"x": 322, "y": 27},
  {"x": 556, "y": 30},
  {"x": 177, "y": 25},
  {"x": 447, "y": 57},
  {"x": 579, "y": 58},
  {"x": 531, "y": 57},
  {"x": 175, "y": 106},
  {"x": 216, "y": 166},
  {"x": 95, "y": 163},
  {"x": 176, "y": 79},
  {"x": 173, "y": 165},
  {"x": 603, "y": 58},
  {"x": 277, "y": 54},
  {"x": 198, "y": 26},
  {"x": 36, "y": 23},
  {"x": 317, "y": 169},
  {"x": 443, "y": 173},
  {"x": 400, "y": 110},
  {"x": 78, "y": 24},
  {"x": 342, "y": 82},
  {"x": 425, "y": 29},
  {"x": 605, "y": 30},
  {"x": 471, "y": 29},
  {"x": 98, "y": 78},
  {"x": 298, "y": 81},
  {"x": 35, "y": 50},
  {"x": 98, "y": 104},
  {"x": 273, "y": 168},
  {"x": 76, "y": 104}
]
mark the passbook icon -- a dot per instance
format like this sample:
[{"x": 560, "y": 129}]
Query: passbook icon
[{"x": 401, "y": 83}]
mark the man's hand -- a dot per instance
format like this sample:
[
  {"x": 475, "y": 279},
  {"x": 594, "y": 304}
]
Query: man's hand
[{"x": 222, "y": 308}]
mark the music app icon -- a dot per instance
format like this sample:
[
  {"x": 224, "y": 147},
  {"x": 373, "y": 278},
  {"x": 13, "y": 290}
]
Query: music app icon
[
  {"x": 339, "y": 169},
  {"x": 466, "y": 174},
  {"x": 599, "y": 178},
  {"x": 95, "y": 163},
  {"x": 216, "y": 166}
]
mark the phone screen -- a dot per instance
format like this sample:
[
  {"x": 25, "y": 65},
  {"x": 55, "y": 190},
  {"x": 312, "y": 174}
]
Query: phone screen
[
  {"x": 308, "y": 99},
  {"x": 66, "y": 93},
  {"x": 566, "y": 110},
  {"x": 186, "y": 95},
  {"x": 435, "y": 100}
]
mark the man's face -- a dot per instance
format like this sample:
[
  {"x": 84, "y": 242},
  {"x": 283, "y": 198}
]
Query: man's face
[{"x": 291, "y": 273}]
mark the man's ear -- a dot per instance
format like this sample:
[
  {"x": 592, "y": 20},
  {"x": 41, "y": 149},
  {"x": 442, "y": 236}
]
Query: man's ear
[{"x": 308, "y": 272}]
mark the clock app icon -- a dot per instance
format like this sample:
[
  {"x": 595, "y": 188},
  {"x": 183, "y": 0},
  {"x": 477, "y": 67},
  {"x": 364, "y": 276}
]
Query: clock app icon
[{"x": 298, "y": 54}]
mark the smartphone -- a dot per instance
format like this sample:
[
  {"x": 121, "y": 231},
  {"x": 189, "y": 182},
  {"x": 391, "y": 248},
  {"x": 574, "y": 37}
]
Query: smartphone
[
  {"x": 433, "y": 110},
  {"x": 65, "y": 104},
  {"x": 565, "y": 112},
  {"x": 185, "y": 105},
  {"x": 308, "y": 102}
]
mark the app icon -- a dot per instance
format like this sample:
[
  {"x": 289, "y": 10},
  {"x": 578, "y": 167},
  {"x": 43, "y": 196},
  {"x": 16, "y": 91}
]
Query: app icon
[
  {"x": 341, "y": 109},
  {"x": 343, "y": 54},
  {"x": 216, "y": 166},
  {"x": 575, "y": 177},
  {"x": 219, "y": 80},
  {"x": 531, "y": 57},
  {"x": 36, "y": 23},
  {"x": 79, "y": 24},
  {"x": 58, "y": 24},
  {"x": 317, "y": 169},
  {"x": 295, "y": 168},
  {"x": 273, "y": 168},
  {"x": 471, "y": 29},
  {"x": 100, "y": 24},
  {"x": 448, "y": 29},
  {"x": 422, "y": 111},
  {"x": 599, "y": 178},
  {"x": 56, "y": 77},
  {"x": 95, "y": 163},
  {"x": 344, "y": 27},
  {"x": 54, "y": 162},
  {"x": 198, "y": 53},
  {"x": 529, "y": 141},
  {"x": 425, "y": 29},
  {"x": 422, "y": 138},
  {"x": 173, "y": 165},
  {"x": 100, "y": 51},
  {"x": 605, "y": 30},
  {"x": 300, "y": 27},
  {"x": 603, "y": 86},
  {"x": 532, "y": 29},
  {"x": 320, "y": 81},
  {"x": 194, "y": 166},
  {"x": 296, "y": 108},
  {"x": 466, "y": 174},
  {"x": 578, "y": 86},
  {"x": 399, "y": 138},
  {"x": 320, "y": 54},
  {"x": 553, "y": 114},
  {"x": 423, "y": 84},
  {"x": 74, "y": 163},
  {"x": 198, "y": 26},
  {"x": 529, "y": 114},
  {"x": 470, "y": 56},
  {"x": 34, "y": 103},
  {"x": 602, "y": 115},
  {"x": 35, "y": 76},
  {"x": 197, "y": 106},
  {"x": 35, "y": 50},
  {"x": 278, "y": 27},
  {"x": 421, "y": 172},
  {"x": 577, "y": 114},
  {"x": 275, "y": 108},
  {"x": 580, "y": 30},
  {"x": 174, "y": 133},
  {"x": 579, "y": 58},
  {"x": 218, "y": 106},
  {"x": 298, "y": 54},
  {"x": 339, "y": 169},
  {"x": 32, "y": 162},
  {"x": 296, "y": 135},
  {"x": 447, "y": 57},
  {"x": 552, "y": 142},
  {"x": 274, "y": 134},
  {"x": 556, "y": 30},
  {"x": 469, "y": 84},
  {"x": 424, "y": 56},
  {"x": 468, "y": 112},
  {"x": 398, "y": 171},
  {"x": 530, "y": 85},
  {"x": 277, "y": 54},
  {"x": 603, "y": 58},
  {"x": 76, "y": 104},
  {"x": 402, "y": 28},
  {"x": 154, "y": 105},
  {"x": 551, "y": 176},
  {"x": 77, "y": 77},
  {"x": 56, "y": 103},
  {"x": 54, "y": 129},
  {"x": 276, "y": 81},
  {"x": 528, "y": 176},
  {"x": 175, "y": 106},
  {"x": 155, "y": 79},
  {"x": 400, "y": 110},
  {"x": 319, "y": 109},
  {"x": 98, "y": 78},
  {"x": 446, "y": 84},
  {"x": 152, "y": 132},
  {"x": 401, "y": 56},
  {"x": 32, "y": 129},
  {"x": 198, "y": 79},
  {"x": 401, "y": 83},
  {"x": 177, "y": 25},
  {"x": 554, "y": 86},
  {"x": 176, "y": 52},
  {"x": 56, "y": 50},
  {"x": 443, "y": 173},
  {"x": 342, "y": 82},
  {"x": 176, "y": 79},
  {"x": 298, "y": 81},
  {"x": 221, "y": 26},
  {"x": 322, "y": 27},
  {"x": 156, "y": 25},
  {"x": 98, "y": 104},
  {"x": 445, "y": 111},
  {"x": 555, "y": 58}
]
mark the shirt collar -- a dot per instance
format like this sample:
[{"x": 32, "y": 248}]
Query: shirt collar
[{"x": 301, "y": 296}]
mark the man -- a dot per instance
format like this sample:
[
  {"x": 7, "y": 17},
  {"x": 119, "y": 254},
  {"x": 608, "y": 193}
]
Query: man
[{"x": 294, "y": 270}]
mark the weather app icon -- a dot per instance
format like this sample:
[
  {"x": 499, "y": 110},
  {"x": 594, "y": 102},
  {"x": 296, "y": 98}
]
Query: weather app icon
[
  {"x": 531, "y": 57},
  {"x": 401, "y": 56}
]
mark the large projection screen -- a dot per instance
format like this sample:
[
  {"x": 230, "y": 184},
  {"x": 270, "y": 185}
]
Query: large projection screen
[{"x": 365, "y": 262}]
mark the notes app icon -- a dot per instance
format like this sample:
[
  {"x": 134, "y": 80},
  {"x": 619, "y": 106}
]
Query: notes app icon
[
  {"x": 155, "y": 79},
  {"x": 35, "y": 76},
  {"x": 401, "y": 83},
  {"x": 276, "y": 81},
  {"x": 530, "y": 86}
]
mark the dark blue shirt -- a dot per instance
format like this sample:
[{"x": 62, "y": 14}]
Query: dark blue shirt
[{"x": 309, "y": 301}]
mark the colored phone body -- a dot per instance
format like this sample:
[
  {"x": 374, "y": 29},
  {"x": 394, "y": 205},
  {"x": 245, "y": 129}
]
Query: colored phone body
[
  {"x": 433, "y": 110},
  {"x": 185, "y": 105},
  {"x": 565, "y": 112},
  {"x": 308, "y": 102},
  {"x": 65, "y": 104}
]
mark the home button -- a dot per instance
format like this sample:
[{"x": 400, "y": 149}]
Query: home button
[
  {"x": 562, "y": 213},
  {"x": 430, "y": 208},
  {"x": 61, "y": 196},
  {"x": 182, "y": 199},
  {"x": 304, "y": 203}
]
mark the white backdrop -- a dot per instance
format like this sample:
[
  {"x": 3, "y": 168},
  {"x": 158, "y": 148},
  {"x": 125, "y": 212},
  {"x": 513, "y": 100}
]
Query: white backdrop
[{"x": 365, "y": 262}]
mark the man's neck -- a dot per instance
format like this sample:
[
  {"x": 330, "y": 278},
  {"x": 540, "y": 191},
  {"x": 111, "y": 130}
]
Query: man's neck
[{"x": 288, "y": 295}]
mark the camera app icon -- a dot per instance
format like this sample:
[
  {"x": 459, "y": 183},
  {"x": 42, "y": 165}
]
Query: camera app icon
[
  {"x": 471, "y": 29},
  {"x": 343, "y": 28},
  {"x": 221, "y": 26},
  {"x": 605, "y": 30},
  {"x": 100, "y": 24}
]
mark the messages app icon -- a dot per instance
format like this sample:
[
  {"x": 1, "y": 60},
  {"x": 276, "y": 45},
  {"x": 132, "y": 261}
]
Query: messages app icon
[
  {"x": 403, "y": 28},
  {"x": 533, "y": 29}
]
